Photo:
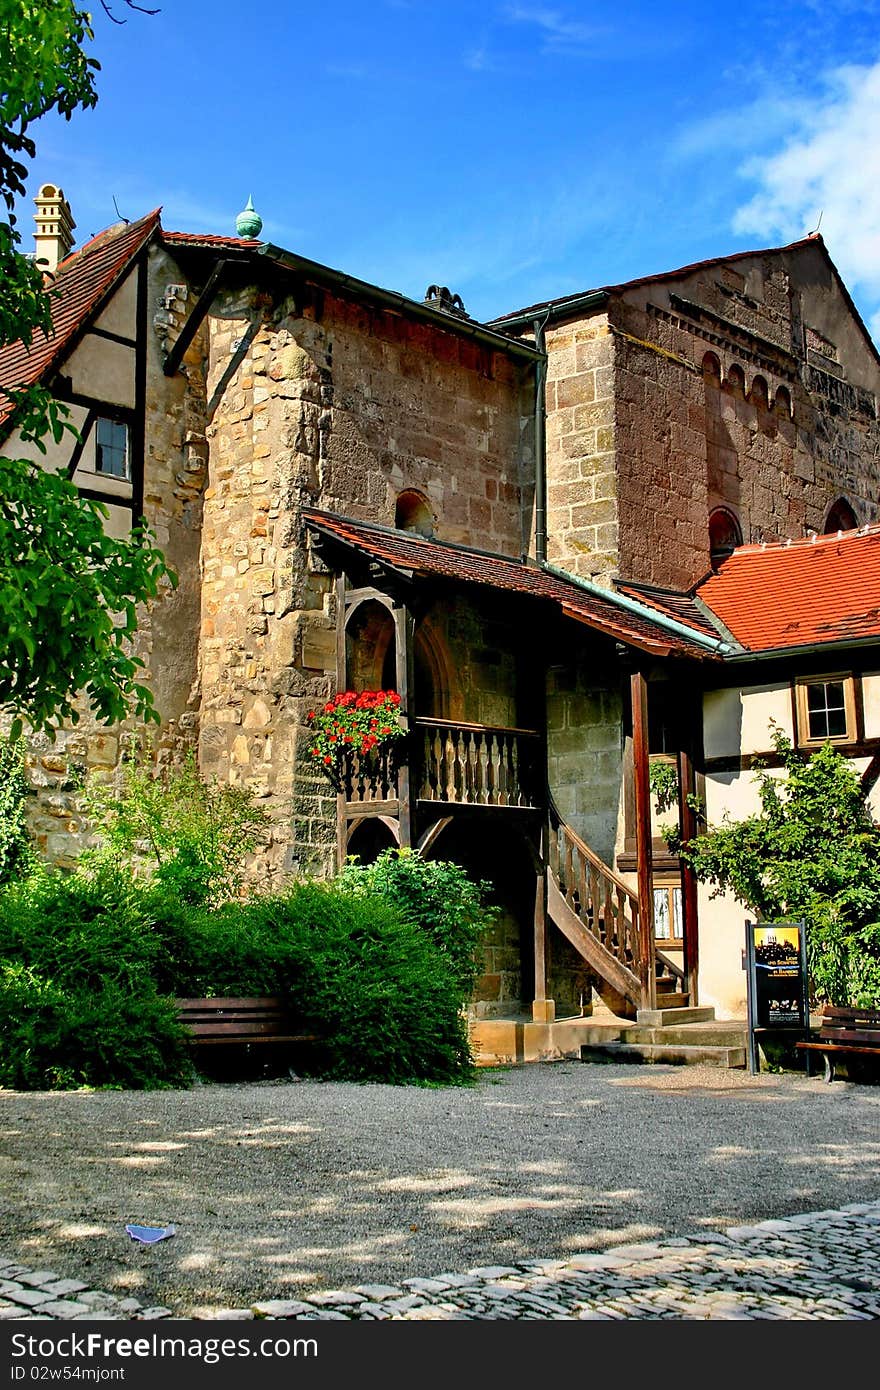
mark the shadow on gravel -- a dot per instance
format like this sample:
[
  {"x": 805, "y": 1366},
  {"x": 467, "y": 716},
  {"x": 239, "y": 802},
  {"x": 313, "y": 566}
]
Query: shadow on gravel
[{"x": 282, "y": 1187}]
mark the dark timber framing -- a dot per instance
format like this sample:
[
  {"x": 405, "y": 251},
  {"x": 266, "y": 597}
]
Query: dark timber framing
[{"x": 644, "y": 849}]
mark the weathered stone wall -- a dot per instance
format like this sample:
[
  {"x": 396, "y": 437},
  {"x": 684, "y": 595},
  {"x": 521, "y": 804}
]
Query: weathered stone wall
[
  {"x": 747, "y": 385},
  {"x": 323, "y": 403},
  {"x": 585, "y": 744},
  {"x": 582, "y": 505}
]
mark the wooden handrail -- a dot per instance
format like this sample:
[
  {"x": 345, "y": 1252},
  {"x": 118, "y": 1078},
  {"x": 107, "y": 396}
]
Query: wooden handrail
[
  {"x": 424, "y": 722},
  {"x": 590, "y": 855}
]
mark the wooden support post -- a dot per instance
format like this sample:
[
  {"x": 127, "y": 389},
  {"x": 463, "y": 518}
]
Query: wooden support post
[
  {"x": 543, "y": 1009},
  {"x": 688, "y": 824},
  {"x": 644, "y": 851},
  {"x": 407, "y": 788},
  {"x": 341, "y": 677}
]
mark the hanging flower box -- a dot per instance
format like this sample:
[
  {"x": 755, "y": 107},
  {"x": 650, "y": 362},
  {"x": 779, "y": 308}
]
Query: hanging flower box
[{"x": 351, "y": 724}]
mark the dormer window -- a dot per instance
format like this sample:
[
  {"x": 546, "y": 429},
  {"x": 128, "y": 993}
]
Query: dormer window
[{"x": 111, "y": 448}]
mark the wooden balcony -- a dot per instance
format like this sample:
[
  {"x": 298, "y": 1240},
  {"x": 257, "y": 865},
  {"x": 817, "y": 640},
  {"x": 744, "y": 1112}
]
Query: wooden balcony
[
  {"x": 450, "y": 764},
  {"x": 476, "y": 764}
]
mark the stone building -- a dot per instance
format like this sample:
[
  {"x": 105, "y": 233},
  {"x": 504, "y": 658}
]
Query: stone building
[{"x": 515, "y": 525}]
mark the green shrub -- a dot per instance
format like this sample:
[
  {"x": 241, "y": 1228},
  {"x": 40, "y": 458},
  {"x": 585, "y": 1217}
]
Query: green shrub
[
  {"x": 812, "y": 851},
  {"x": 78, "y": 997},
  {"x": 362, "y": 975},
  {"x": 16, "y": 854},
  {"x": 191, "y": 835},
  {"x": 54, "y": 1037},
  {"x": 439, "y": 897}
]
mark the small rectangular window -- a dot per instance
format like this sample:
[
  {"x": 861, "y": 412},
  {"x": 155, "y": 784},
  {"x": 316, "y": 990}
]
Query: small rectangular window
[
  {"x": 826, "y": 710},
  {"x": 111, "y": 448},
  {"x": 668, "y": 921}
]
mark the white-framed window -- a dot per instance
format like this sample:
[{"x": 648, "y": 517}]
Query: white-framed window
[
  {"x": 668, "y": 916},
  {"x": 826, "y": 710},
  {"x": 112, "y": 448}
]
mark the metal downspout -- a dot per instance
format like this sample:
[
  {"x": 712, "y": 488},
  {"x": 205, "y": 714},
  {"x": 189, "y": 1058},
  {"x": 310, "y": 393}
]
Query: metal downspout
[{"x": 540, "y": 443}]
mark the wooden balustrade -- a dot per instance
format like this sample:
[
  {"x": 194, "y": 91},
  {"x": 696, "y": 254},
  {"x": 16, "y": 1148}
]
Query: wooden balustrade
[
  {"x": 476, "y": 764},
  {"x": 605, "y": 905},
  {"x": 368, "y": 778}
]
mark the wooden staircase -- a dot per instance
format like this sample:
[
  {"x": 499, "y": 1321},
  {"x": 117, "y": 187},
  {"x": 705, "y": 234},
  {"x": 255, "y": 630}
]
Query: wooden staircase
[{"x": 599, "y": 914}]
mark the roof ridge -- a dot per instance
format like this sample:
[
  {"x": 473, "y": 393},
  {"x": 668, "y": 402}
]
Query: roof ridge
[{"x": 774, "y": 546}]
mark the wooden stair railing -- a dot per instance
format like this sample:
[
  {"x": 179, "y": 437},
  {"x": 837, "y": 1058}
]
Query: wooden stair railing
[
  {"x": 594, "y": 909},
  {"x": 599, "y": 914}
]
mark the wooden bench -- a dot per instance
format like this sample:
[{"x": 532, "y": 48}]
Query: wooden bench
[
  {"x": 244, "y": 1023},
  {"x": 845, "y": 1032}
]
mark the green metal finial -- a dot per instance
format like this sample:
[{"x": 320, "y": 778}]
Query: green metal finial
[{"x": 249, "y": 223}]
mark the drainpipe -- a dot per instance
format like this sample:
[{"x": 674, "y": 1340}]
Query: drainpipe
[{"x": 540, "y": 442}]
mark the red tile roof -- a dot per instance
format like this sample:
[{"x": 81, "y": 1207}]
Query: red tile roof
[
  {"x": 403, "y": 550},
  {"x": 84, "y": 280},
  {"x": 210, "y": 239},
  {"x": 806, "y": 593}
]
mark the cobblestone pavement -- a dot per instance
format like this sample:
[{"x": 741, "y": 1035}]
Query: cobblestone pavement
[{"x": 820, "y": 1265}]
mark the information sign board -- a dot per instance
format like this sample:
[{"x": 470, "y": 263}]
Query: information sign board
[{"x": 776, "y": 976}]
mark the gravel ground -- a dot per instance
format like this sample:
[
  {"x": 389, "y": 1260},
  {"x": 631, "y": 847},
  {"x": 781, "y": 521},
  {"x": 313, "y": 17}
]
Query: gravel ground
[{"x": 280, "y": 1188}]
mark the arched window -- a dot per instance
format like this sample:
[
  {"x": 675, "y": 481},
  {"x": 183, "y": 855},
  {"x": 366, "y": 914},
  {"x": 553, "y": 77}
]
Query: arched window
[
  {"x": 712, "y": 369},
  {"x": 736, "y": 380},
  {"x": 413, "y": 513},
  {"x": 841, "y": 517},
  {"x": 725, "y": 534},
  {"x": 782, "y": 402}
]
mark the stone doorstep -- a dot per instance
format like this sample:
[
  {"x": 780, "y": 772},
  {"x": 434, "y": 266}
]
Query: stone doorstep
[
  {"x": 511, "y": 1041},
  {"x": 665, "y": 1053}
]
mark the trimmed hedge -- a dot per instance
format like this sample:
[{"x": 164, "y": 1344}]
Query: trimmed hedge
[{"x": 90, "y": 964}]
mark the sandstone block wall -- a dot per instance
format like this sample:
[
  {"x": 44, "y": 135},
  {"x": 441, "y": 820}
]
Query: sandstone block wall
[
  {"x": 585, "y": 744},
  {"x": 746, "y": 385},
  {"x": 582, "y": 501},
  {"x": 321, "y": 403}
]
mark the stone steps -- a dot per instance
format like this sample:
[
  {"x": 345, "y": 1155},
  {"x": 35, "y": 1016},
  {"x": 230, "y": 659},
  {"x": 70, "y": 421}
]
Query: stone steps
[
  {"x": 668, "y": 1053},
  {"x": 711, "y": 1034}
]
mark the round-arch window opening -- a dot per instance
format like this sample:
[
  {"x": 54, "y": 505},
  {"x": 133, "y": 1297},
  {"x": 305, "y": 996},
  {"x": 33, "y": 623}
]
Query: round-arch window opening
[
  {"x": 725, "y": 534},
  {"x": 841, "y": 517},
  {"x": 413, "y": 513}
]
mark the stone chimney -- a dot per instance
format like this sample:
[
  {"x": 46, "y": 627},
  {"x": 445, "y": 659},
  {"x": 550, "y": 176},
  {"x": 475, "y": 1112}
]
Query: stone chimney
[{"x": 54, "y": 235}]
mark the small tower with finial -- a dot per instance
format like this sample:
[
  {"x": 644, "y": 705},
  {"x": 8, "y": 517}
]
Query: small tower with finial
[{"x": 249, "y": 223}]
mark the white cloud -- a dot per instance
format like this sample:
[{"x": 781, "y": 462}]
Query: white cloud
[
  {"x": 558, "y": 33},
  {"x": 829, "y": 167}
]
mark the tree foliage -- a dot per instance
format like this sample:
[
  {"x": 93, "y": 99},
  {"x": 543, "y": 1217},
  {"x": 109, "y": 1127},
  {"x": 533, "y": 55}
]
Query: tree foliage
[
  {"x": 812, "y": 851},
  {"x": 68, "y": 592}
]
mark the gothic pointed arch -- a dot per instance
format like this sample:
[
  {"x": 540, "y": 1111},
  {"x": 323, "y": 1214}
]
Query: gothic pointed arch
[{"x": 438, "y": 690}]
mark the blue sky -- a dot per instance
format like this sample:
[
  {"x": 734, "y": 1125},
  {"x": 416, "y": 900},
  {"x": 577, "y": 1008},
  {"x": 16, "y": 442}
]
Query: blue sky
[{"x": 512, "y": 151}]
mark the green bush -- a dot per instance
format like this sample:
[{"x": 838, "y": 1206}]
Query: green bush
[
  {"x": 356, "y": 971},
  {"x": 191, "y": 835},
  {"x": 437, "y": 895},
  {"x": 90, "y": 964},
  {"x": 16, "y": 854},
  {"x": 812, "y": 851},
  {"x": 78, "y": 998}
]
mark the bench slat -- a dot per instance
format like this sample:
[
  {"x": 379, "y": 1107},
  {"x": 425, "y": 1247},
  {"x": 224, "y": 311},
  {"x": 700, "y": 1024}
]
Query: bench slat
[
  {"x": 855, "y": 1035},
  {"x": 230, "y": 1021}
]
